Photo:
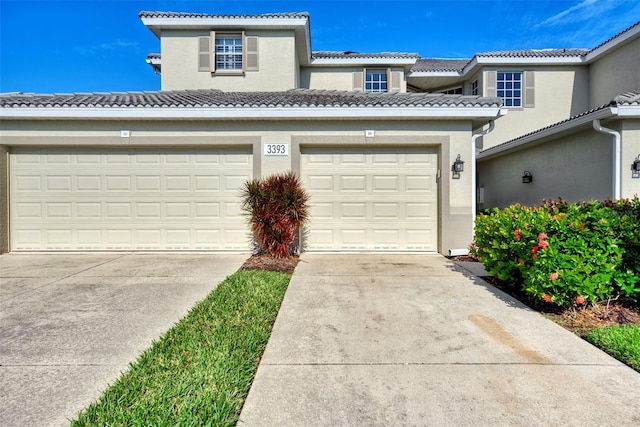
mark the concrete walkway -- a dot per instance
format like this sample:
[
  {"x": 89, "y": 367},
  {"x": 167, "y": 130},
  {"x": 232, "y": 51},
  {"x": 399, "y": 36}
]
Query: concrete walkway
[
  {"x": 373, "y": 340},
  {"x": 69, "y": 324}
]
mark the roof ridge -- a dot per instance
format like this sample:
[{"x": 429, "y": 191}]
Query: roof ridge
[{"x": 169, "y": 14}]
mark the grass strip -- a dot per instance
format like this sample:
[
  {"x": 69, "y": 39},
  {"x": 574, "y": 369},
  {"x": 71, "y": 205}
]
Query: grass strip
[
  {"x": 621, "y": 342},
  {"x": 200, "y": 371}
]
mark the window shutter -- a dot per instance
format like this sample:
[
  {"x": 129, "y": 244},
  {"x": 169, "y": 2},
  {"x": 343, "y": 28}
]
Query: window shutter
[
  {"x": 205, "y": 53},
  {"x": 395, "y": 81},
  {"x": 491, "y": 84},
  {"x": 529, "y": 92},
  {"x": 251, "y": 53},
  {"x": 358, "y": 81}
]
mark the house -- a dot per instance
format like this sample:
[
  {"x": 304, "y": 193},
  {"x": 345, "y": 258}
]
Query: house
[
  {"x": 385, "y": 143},
  {"x": 242, "y": 96}
]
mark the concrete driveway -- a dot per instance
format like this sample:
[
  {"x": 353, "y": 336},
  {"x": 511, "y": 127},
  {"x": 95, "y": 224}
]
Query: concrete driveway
[
  {"x": 413, "y": 340},
  {"x": 70, "y": 323}
]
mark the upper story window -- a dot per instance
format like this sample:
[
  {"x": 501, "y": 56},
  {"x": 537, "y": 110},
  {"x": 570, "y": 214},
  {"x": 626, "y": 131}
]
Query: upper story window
[
  {"x": 509, "y": 88},
  {"x": 375, "y": 81},
  {"x": 474, "y": 87},
  {"x": 228, "y": 52},
  {"x": 453, "y": 91}
]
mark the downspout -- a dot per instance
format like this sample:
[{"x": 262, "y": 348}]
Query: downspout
[
  {"x": 474, "y": 200},
  {"x": 616, "y": 161}
]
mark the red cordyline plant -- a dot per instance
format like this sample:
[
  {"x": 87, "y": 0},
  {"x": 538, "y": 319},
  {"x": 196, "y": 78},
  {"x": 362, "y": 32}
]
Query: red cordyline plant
[{"x": 277, "y": 208}]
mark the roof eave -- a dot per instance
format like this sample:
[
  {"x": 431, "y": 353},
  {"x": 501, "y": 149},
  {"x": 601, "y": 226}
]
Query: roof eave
[
  {"x": 256, "y": 113},
  {"x": 156, "y": 24},
  {"x": 549, "y": 133},
  {"x": 614, "y": 43},
  {"x": 523, "y": 60},
  {"x": 327, "y": 62}
]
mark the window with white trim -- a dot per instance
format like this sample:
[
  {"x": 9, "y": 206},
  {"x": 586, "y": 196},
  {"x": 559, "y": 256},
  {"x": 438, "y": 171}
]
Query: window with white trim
[
  {"x": 228, "y": 52},
  {"x": 375, "y": 81},
  {"x": 509, "y": 88}
]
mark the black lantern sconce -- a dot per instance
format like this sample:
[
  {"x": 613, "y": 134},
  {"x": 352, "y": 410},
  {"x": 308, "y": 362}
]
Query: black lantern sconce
[
  {"x": 457, "y": 167},
  {"x": 527, "y": 178},
  {"x": 635, "y": 168}
]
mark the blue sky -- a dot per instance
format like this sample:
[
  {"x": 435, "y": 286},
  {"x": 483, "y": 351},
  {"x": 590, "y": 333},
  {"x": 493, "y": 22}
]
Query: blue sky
[{"x": 101, "y": 46}]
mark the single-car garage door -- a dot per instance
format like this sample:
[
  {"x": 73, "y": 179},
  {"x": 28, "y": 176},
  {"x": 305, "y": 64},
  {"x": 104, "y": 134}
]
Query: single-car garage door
[
  {"x": 362, "y": 199},
  {"x": 128, "y": 199}
]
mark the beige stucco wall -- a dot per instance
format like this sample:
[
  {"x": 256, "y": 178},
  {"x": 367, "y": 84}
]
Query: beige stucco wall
[
  {"x": 334, "y": 78},
  {"x": 576, "y": 168},
  {"x": 449, "y": 137},
  {"x": 4, "y": 199},
  {"x": 337, "y": 78},
  {"x": 276, "y": 58},
  {"x": 560, "y": 92},
  {"x": 615, "y": 73},
  {"x": 630, "y": 150}
]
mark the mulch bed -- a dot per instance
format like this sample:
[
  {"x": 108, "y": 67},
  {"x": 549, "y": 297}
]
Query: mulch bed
[
  {"x": 578, "y": 320},
  {"x": 271, "y": 263}
]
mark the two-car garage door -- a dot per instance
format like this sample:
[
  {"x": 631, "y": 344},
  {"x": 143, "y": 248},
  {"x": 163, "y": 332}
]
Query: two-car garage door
[
  {"x": 128, "y": 199},
  {"x": 382, "y": 199}
]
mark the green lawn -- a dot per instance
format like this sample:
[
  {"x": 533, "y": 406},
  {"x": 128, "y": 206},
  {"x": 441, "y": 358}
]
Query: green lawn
[
  {"x": 622, "y": 342},
  {"x": 200, "y": 371}
]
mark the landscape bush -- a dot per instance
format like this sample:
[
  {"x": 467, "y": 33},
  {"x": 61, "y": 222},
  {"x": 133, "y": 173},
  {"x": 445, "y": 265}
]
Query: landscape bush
[
  {"x": 564, "y": 253},
  {"x": 277, "y": 208}
]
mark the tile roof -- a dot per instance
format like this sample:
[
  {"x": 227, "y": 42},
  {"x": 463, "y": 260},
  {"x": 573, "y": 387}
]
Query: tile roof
[
  {"x": 154, "y": 56},
  {"x": 535, "y": 53},
  {"x": 626, "y": 99},
  {"x": 616, "y": 36},
  {"x": 348, "y": 54},
  {"x": 438, "y": 64},
  {"x": 295, "y": 98},
  {"x": 157, "y": 14}
]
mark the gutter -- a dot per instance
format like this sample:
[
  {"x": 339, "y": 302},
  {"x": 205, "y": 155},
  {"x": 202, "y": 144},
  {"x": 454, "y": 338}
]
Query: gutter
[
  {"x": 617, "y": 158},
  {"x": 474, "y": 198}
]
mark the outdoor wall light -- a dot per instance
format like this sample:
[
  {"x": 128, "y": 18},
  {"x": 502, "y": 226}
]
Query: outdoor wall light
[
  {"x": 527, "y": 178},
  {"x": 635, "y": 168},
  {"x": 457, "y": 167}
]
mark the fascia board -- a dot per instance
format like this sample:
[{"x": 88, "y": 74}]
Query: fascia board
[
  {"x": 224, "y": 22},
  {"x": 435, "y": 74},
  {"x": 259, "y": 113},
  {"x": 155, "y": 25},
  {"x": 546, "y": 133},
  {"x": 627, "y": 110},
  {"x": 612, "y": 44},
  {"x": 362, "y": 61}
]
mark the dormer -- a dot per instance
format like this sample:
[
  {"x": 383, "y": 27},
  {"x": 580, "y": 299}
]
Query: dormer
[
  {"x": 243, "y": 53},
  {"x": 354, "y": 71}
]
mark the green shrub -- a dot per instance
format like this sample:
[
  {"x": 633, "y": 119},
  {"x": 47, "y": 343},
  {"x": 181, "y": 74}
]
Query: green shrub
[
  {"x": 277, "y": 208},
  {"x": 563, "y": 253}
]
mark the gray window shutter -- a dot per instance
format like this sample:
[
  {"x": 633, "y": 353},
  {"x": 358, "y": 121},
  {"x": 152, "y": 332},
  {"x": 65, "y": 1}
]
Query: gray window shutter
[
  {"x": 251, "y": 53},
  {"x": 491, "y": 84},
  {"x": 205, "y": 53},
  {"x": 358, "y": 81},
  {"x": 529, "y": 91},
  {"x": 395, "y": 81}
]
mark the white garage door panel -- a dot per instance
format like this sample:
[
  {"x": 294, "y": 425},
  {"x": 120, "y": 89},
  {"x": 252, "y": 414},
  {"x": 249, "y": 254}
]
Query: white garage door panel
[
  {"x": 365, "y": 199},
  {"x": 117, "y": 199}
]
